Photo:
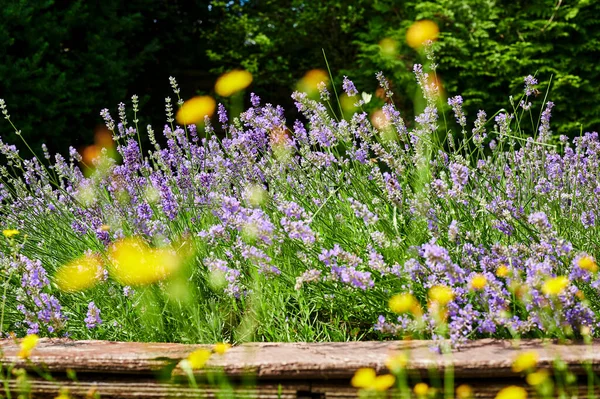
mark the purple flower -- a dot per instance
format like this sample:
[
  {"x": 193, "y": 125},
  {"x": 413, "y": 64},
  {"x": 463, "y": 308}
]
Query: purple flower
[
  {"x": 540, "y": 221},
  {"x": 456, "y": 104},
  {"x": 349, "y": 88},
  {"x": 530, "y": 82},
  {"x": 222, "y": 112},
  {"x": 92, "y": 319}
]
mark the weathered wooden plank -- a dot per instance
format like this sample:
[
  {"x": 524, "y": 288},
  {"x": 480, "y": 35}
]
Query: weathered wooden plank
[
  {"x": 482, "y": 358},
  {"x": 280, "y": 370}
]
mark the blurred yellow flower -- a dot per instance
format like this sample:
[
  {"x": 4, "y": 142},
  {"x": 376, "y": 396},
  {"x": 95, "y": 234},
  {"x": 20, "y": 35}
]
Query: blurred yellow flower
[
  {"x": 62, "y": 395},
  {"x": 555, "y": 286},
  {"x": 135, "y": 263},
  {"x": 525, "y": 361},
  {"x": 79, "y": 274},
  {"x": 538, "y": 377},
  {"x": 310, "y": 81},
  {"x": 388, "y": 47},
  {"x": 397, "y": 362},
  {"x": 347, "y": 103},
  {"x": 366, "y": 378},
  {"x": 421, "y": 389},
  {"x": 232, "y": 82},
  {"x": 502, "y": 271},
  {"x": 478, "y": 282},
  {"x": 512, "y": 392},
  {"x": 464, "y": 391},
  {"x": 10, "y": 233},
  {"x": 221, "y": 348},
  {"x": 27, "y": 345},
  {"x": 363, "y": 378},
  {"x": 198, "y": 358},
  {"x": 421, "y": 31},
  {"x": 383, "y": 382},
  {"x": 588, "y": 263},
  {"x": 403, "y": 303},
  {"x": 441, "y": 294},
  {"x": 195, "y": 109}
]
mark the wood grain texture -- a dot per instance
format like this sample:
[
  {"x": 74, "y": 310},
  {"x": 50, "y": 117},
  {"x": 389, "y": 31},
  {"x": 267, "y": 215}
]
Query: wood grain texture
[{"x": 315, "y": 370}]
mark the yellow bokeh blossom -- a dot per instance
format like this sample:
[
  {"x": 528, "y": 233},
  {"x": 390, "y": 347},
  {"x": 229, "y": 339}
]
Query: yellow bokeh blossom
[
  {"x": 421, "y": 389},
  {"x": 464, "y": 391},
  {"x": 538, "y": 377},
  {"x": 310, "y": 81},
  {"x": 388, "y": 47},
  {"x": 478, "y": 282},
  {"x": 502, "y": 271},
  {"x": 512, "y": 392},
  {"x": 366, "y": 378},
  {"x": 403, "y": 303},
  {"x": 396, "y": 362},
  {"x": 232, "y": 82},
  {"x": 420, "y": 32},
  {"x": 441, "y": 294},
  {"x": 525, "y": 361},
  {"x": 221, "y": 348},
  {"x": 27, "y": 345},
  {"x": 588, "y": 263},
  {"x": 195, "y": 109},
  {"x": 383, "y": 382},
  {"x": 198, "y": 358},
  {"x": 79, "y": 274},
  {"x": 555, "y": 286},
  {"x": 9, "y": 233},
  {"x": 135, "y": 263}
]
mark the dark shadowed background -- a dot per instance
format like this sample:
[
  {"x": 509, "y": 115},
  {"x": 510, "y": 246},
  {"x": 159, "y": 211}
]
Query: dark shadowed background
[{"x": 63, "y": 61}]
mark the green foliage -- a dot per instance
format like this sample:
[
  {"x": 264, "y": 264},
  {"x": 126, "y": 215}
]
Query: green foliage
[
  {"x": 485, "y": 49},
  {"x": 63, "y": 61}
]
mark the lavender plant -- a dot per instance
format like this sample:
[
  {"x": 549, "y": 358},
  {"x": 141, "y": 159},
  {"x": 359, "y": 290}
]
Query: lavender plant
[{"x": 304, "y": 230}]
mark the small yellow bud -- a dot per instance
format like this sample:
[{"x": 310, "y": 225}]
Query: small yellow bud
[
  {"x": 441, "y": 294},
  {"x": 363, "y": 378},
  {"x": 588, "y": 263},
  {"x": 383, "y": 382},
  {"x": 538, "y": 377},
  {"x": 397, "y": 362},
  {"x": 512, "y": 392},
  {"x": 555, "y": 286},
  {"x": 502, "y": 271},
  {"x": 221, "y": 348},
  {"x": 403, "y": 303},
  {"x": 198, "y": 358},
  {"x": 464, "y": 391},
  {"x": 10, "y": 233},
  {"x": 421, "y": 389},
  {"x": 478, "y": 282},
  {"x": 525, "y": 361},
  {"x": 27, "y": 345}
]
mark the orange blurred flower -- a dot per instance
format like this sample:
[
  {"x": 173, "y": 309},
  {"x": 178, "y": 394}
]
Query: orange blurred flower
[{"x": 195, "y": 109}]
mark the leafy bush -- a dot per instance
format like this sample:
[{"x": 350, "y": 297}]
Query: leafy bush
[{"x": 62, "y": 61}]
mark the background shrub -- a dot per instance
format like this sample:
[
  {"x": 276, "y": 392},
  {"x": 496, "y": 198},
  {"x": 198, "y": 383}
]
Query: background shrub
[{"x": 64, "y": 61}]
